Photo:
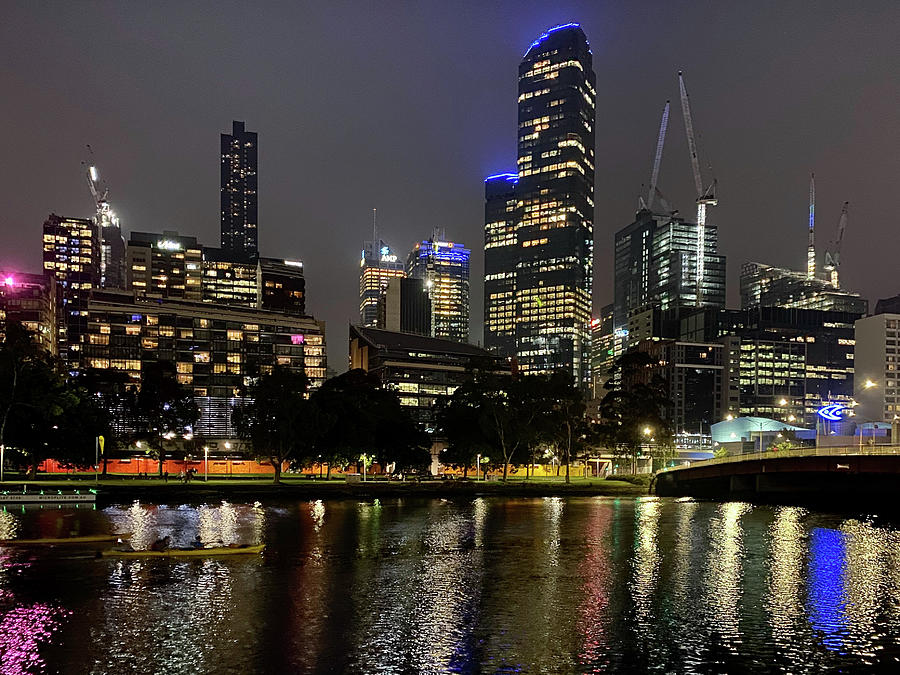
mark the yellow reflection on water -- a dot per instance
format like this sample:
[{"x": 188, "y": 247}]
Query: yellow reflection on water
[
  {"x": 9, "y": 524},
  {"x": 646, "y": 558},
  {"x": 722, "y": 587},
  {"x": 784, "y": 591}
]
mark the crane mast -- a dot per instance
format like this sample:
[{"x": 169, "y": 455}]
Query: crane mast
[
  {"x": 112, "y": 249},
  {"x": 811, "y": 247},
  {"x": 705, "y": 197},
  {"x": 833, "y": 257},
  {"x": 657, "y": 158}
]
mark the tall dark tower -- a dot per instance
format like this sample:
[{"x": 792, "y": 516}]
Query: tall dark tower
[
  {"x": 554, "y": 210},
  {"x": 239, "y": 198}
]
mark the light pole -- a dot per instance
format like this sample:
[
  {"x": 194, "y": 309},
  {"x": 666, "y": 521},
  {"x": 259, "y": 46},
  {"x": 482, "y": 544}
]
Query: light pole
[
  {"x": 206, "y": 463},
  {"x": 868, "y": 384},
  {"x": 478, "y": 467},
  {"x": 2, "y": 453}
]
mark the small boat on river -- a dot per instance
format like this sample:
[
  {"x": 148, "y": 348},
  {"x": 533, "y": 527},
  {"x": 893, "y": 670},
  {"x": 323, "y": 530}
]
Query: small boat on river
[
  {"x": 186, "y": 552},
  {"x": 89, "y": 539}
]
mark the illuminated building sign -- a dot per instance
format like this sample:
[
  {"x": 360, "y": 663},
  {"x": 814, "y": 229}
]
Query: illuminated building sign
[
  {"x": 388, "y": 258},
  {"x": 168, "y": 245},
  {"x": 297, "y": 339},
  {"x": 832, "y": 412},
  {"x": 293, "y": 263}
]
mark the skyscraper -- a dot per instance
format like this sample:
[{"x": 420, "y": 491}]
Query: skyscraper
[
  {"x": 444, "y": 265},
  {"x": 656, "y": 266},
  {"x": 501, "y": 253},
  {"x": 553, "y": 213},
  {"x": 378, "y": 265},
  {"x": 238, "y": 192},
  {"x": 72, "y": 255}
]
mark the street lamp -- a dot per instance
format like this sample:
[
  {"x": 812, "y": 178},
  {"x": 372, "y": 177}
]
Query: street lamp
[{"x": 206, "y": 463}]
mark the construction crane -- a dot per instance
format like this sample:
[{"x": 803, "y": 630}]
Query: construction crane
[
  {"x": 657, "y": 157},
  {"x": 705, "y": 197},
  {"x": 811, "y": 247},
  {"x": 833, "y": 257},
  {"x": 112, "y": 250}
]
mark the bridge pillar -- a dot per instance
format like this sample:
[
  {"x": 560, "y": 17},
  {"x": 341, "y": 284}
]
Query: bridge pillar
[{"x": 742, "y": 483}]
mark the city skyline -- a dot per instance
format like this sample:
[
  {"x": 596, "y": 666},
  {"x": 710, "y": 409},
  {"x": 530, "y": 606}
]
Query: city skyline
[{"x": 763, "y": 133}]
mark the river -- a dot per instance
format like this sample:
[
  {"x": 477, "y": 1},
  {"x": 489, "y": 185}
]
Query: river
[{"x": 553, "y": 585}]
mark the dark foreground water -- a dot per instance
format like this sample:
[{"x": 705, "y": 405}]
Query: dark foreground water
[{"x": 483, "y": 586}]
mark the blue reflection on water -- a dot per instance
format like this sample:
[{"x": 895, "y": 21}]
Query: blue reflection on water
[{"x": 827, "y": 599}]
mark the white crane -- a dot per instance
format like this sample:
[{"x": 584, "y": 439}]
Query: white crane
[
  {"x": 657, "y": 157},
  {"x": 833, "y": 257},
  {"x": 811, "y": 247},
  {"x": 705, "y": 197},
  {"x": 112, "y": 251}
]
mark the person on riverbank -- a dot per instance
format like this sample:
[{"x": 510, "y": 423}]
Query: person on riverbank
[{"x": 161, "y": 544}]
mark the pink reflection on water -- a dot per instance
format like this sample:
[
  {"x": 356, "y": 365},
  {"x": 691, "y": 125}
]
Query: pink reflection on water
[
  {"x": 22, "y": 631},
  {"x": 594, "y": 570}
]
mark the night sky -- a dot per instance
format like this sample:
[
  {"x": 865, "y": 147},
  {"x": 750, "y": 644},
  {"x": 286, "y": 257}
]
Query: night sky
[{"x": 407, "y": 106}]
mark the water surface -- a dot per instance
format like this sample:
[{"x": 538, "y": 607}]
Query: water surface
[{"x": 490, "y": 585}]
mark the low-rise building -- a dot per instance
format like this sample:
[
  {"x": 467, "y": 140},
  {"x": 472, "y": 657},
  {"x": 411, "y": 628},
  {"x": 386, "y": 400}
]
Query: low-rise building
[{"x": 420, "y": 369}]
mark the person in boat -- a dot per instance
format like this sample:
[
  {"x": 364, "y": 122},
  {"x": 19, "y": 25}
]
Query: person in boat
[
  {"x": 197, "y": 542},
  {"x": 161, "y": 544}
]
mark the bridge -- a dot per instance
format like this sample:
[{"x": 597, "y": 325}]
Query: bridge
[{"x": 857, "y": 474}]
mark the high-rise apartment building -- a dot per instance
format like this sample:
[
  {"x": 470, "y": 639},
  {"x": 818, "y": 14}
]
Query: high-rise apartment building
[
  {"x": 229, "y": 279},
  {"x": 169, "y": 265},
  {"x": 377, "y": 266},
  {"x": 71, "y": 253},
  {"x": 444, "y": 267},
  {"x": 282, "y": 285},
  {"x": 656, "y": 267},
  {"x": 239, "y": 199},
  {"x": 553, "y": 193}
]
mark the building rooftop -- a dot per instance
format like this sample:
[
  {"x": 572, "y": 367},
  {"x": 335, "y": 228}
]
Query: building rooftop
[{"x": 387, "y": 339}]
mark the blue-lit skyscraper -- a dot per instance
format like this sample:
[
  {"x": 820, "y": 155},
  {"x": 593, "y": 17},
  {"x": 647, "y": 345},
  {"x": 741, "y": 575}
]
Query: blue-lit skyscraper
[
  {"x": 547, "y": 209},
  {"x": 444, "y": 265}
]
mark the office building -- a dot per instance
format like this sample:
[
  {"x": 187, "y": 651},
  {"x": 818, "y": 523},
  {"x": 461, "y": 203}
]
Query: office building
[
  {"x": 444, "y": 268},
  {"x": 553, "y": 197},
  {"x": 603, "y": 350},
  {"x": 377, "y": 266},
  {"x": 787, "y": 362},
  {"x": 282, "y": 285},
  {"x": 877, "y": 387},
  {"x": 405, "y": 307},
  {"x": 215, "y": 348},
  {"x": 30, "y": 300},
  {"x": 501, "y": 253},
  {"x": 420, "y": 369},
  {"x": 695, "y": 376},
  {"x": 228, "y": 279},
  {"x": 71, "y": 254},
  {"x": 768, "y": 286},
  {"x": 239, "y": 198},
  {"x": 656, "y": 267},
  {"x": 168, "y": 265},
  {"x": 113, "y": 266}
]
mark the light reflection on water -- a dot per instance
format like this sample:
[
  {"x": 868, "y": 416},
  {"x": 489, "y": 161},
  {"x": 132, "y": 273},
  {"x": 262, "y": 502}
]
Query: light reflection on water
[{"x": 437, "y": 586}]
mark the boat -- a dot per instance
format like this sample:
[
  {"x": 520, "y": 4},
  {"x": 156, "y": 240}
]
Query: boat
[
  {"x": 186, "y": 552},
  {"x": 42, "y": 497},
  {"x": 67, "y": 541}
]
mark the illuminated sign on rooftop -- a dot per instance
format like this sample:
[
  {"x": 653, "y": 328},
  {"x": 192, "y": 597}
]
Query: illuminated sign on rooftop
[
  {"x": 168, "y": 245},
  {"x": 832, "y": 412}
]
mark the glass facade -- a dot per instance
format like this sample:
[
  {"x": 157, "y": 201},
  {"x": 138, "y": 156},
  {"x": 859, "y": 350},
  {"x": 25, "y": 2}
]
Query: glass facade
[
  {"x": 444, "y": 267},
  {"x": 239, "y": 198},
  {"x": 552, "y": 220},
  {"x": 656, "y": 266}
]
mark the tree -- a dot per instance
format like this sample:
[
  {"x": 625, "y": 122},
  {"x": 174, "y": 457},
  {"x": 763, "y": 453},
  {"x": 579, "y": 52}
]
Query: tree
[
  {"x": 162, "y": 409},
  {"x": 569, "y": 424},
  {"x": 635, "y": 408},
  {"x": 459, "y": 422},
  {"x": 277, "y": 419}
]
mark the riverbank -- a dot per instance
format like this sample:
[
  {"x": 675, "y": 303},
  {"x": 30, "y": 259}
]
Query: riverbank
[{"x": 127, "y": 490}]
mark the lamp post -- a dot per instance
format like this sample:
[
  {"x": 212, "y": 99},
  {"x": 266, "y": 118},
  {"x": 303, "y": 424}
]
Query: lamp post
[
  {"x": 2, "y": 453},
  {"x": 868, "y": 384},
  {"x": 478, "y": 467},
  {"x": 205, "y": 463}
]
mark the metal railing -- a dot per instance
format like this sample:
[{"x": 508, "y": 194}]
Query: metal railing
[{"x": 822, "y": 451}]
